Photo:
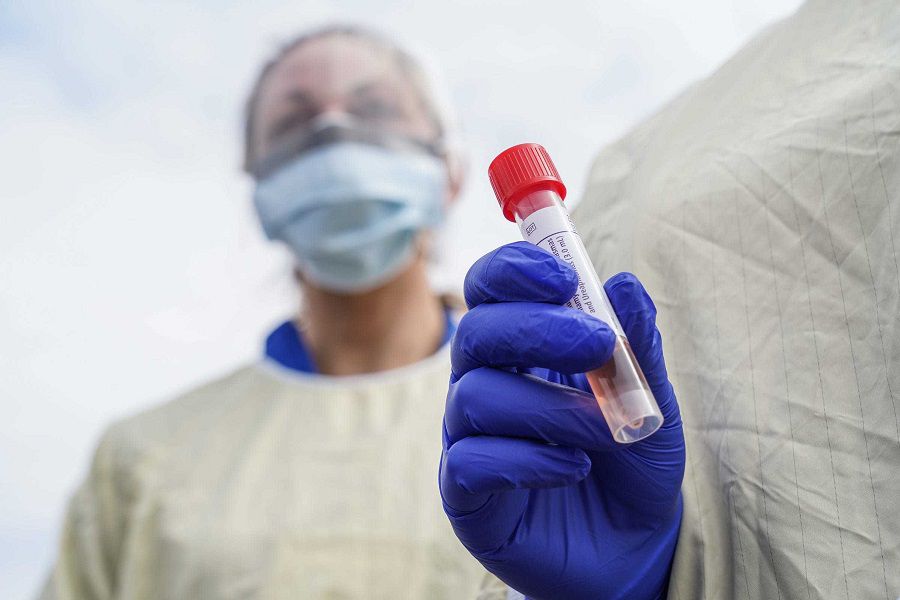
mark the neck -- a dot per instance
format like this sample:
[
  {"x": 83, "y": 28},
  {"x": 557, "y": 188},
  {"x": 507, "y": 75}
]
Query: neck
[{"x": 394, "y": 325}]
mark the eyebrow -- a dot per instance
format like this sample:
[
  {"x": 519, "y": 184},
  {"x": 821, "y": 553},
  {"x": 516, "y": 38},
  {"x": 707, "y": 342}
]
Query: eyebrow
[{"x": 364, "y": 88}]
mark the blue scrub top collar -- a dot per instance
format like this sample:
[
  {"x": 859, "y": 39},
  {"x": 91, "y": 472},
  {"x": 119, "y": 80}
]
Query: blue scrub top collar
[{"x": 285, "y": 345}]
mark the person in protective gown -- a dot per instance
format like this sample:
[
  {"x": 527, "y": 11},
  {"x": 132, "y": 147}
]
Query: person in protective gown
[
  {"x": 760, "y": 208},
  {"x": 310, "y": 474}
]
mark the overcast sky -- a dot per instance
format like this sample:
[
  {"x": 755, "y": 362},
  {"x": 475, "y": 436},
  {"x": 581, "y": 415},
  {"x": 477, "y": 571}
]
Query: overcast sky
[{"x": 130, "y": 264}]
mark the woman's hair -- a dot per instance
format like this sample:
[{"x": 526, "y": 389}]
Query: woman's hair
[{"x": 409, "y": 66}]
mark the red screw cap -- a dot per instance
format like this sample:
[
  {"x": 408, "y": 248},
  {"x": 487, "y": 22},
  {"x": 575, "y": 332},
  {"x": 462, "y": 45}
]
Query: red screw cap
[{"x": 520, "y": 170}]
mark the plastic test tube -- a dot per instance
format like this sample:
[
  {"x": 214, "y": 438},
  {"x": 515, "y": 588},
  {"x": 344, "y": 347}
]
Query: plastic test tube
[{"x": 530, "y": 193}]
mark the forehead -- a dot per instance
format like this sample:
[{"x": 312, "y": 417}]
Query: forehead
[{"x": 331, "y": 67}]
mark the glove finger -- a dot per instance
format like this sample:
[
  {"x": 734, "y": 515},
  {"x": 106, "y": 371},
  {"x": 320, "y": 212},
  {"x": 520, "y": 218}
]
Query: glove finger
[
  {"x": 526, "y": 334},
  {"x": 519, "y": 272},
  {"x": 475, "y": 467},
  {"x": 637, "y": 314},
  {"x": 499, "y": 403}
]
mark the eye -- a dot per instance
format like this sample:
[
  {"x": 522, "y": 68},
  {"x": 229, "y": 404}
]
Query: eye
[
  {"x": 377, "y": 109},
  {"x": 290, "y": 122}
]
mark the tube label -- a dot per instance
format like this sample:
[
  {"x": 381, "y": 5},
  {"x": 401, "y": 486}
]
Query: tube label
[{"x": 552, "y": 229}]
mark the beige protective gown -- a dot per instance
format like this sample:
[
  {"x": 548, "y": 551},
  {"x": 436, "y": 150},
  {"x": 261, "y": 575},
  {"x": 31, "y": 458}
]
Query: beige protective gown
[
  {"x": 271, "y": 485},
  {"x": 761, "y": 209}
]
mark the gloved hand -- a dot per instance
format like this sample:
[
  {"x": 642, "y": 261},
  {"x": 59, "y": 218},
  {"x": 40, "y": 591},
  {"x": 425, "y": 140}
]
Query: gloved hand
[{"x": 531, "y": 479}]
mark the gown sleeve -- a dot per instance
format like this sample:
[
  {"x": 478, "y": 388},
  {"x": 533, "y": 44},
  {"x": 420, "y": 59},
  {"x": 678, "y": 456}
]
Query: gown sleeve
[{"x": 92, "y": 534}]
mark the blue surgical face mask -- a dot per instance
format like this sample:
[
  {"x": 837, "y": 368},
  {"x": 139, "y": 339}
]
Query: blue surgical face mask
[{"x": 351, "y": 211}]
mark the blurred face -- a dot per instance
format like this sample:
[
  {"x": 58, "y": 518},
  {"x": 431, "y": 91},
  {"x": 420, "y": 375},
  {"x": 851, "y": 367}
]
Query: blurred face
[
  {"x": 354, "y": 214},
  {"x": 337, "y": 74}
]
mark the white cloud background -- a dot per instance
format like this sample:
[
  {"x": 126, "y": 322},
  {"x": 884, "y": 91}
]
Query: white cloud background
[{"x": 130, "y": 264}]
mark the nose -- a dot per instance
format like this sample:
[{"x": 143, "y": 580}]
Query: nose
[{"x": 334, "y": 114}]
